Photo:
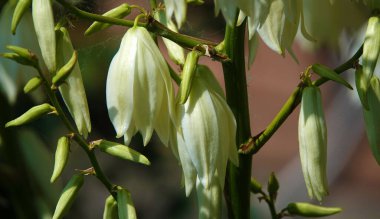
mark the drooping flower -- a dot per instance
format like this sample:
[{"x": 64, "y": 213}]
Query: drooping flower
[
  {"x": 206, "y": 130},
  {"x": 139, "y": 89},
  {"x": 312, "y": 136}
]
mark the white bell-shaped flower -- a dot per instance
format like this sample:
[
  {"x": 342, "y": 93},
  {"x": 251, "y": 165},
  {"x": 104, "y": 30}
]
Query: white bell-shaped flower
[
  {"x": 206, "y": 132},
  {"x": 139, "y": 88}
]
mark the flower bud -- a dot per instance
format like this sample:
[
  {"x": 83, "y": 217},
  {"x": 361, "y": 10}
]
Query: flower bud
[
  {"x": 371, "y": 50},
  {"x": 72, "y": 91},
  {"x": 68, "y": 196},
  {"x": 21, "y": 7},
  {"x": 44, "y": 25},
  {"x": 255, "y": 186},
  {"x": 310, "y": 210},
  {"x": 31, "y": 115},
  {"x": 312, "y": 136},
  {"x": 273, "y": 186},
  {"x": 188, "y": 74},
  {"x": 372, "y": 117},
  {"x": 121, "y": 151},
  {"x": 125, "y": 206},
  {"x": 65, "y": 70},
  {"x": 110, "y": 208},
  {"x": 61, "y": 157},
  {"x": 32, "y": 84},
  {"x": 118, "y": 12},
  {"x": 24, "y": 53}
]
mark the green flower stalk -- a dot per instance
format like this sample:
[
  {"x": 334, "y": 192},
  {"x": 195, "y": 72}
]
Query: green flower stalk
[
  {"x": 139, "y": 89},
  {"x": 206, "y": 131},
  {"x": 72, "y": 90},
  {"x": 312, "y": 136}
]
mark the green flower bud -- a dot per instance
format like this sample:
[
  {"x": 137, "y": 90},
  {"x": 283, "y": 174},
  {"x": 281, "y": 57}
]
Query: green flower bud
[
  {"x": 188, "y": 74},
  {"x": 255, "y": 186},
  {"x": 110, "y": 208},
  {"x": 32, "y": 84},
  {"x": 120, "y": 151},
  {"x": 65, "y": 70},
  {"x": 328, "y": 73},
  {"x": 31, "y": 115},
  {"x": 61, "y": 157},
  {"x": 118, "y": 12},
  {"x": 68, "y": 196},
  {"x": 125, "y": 205},
  {"x": 308, "y": 210},
  {"x": 312, "y": 136},
  {"x": 372, "y": 117},
  {"x": 24, "y": 53},
  {"x": 371, "y": 50},
  {"x": 273, "y": 186},
  {"x": 44, "y": 25},
  {"x": 360, "y": 86},
  {"x": 21, "y": 7}
]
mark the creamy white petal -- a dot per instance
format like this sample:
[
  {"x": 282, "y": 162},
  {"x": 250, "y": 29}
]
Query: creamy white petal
[
  {"x": 189, "y": 171},
  {"x": 178, "y": 8},
  {"x": 44, "y": 25},
  {"x": 209, "y": 199}
]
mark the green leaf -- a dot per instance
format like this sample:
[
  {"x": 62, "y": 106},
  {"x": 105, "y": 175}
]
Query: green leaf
[{"x": 327, "y": 72}]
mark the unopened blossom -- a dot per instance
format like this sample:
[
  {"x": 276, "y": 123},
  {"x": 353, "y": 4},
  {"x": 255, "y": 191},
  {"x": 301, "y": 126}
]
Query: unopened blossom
[
  {"x": 139, "y": 88},
  {"x": 206, "y": 130}
]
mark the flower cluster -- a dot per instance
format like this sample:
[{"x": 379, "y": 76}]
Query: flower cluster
[{"x": 201, "y": 131}]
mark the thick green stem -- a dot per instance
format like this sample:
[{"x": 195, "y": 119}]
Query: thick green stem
[
  {"x": 237, "y": 190},
  {"x": 292, "y": 103}
]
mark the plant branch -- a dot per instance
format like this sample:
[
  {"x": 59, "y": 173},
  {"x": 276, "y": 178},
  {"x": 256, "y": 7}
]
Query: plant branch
[
  {"x": 289, "y": 106},
  {"x": 77, "y": 137},
  {"x": 188, "y": 42}
]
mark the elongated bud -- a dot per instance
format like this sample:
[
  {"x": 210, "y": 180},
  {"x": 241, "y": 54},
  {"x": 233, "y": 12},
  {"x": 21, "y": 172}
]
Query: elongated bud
[
  {"x": 31, "y": 115},
  {"x": 125, "y": 206},
  {"x": 273, "y": 186},
  {"x": 308, "y": 210},
  {"x": 118, "y": 12},
  {"x": 120, "y": 151},
  {"x": 68, "y": 196},
  {"x": 21, "y": 7},
  {"x": 372, "y": 118},
  {"x": 32, "y": 84},
  {"x": 327, "y": 72},
  {"x": 371, "y": 50},
  {"x": 188, "y": 75},
  {"x": 255, "y": 186},
  {"x": 312, "y": 136},
  {"x": 65, "y": 71},
  {"x": 61, "y": 157},
  {"x": 23, "y": 52},
  {"x": 43, "y": 20},
  {"x": 360, "y": 86},
  {"x": 110, "y": 208},
  {"x": 17, "y": 58}
]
